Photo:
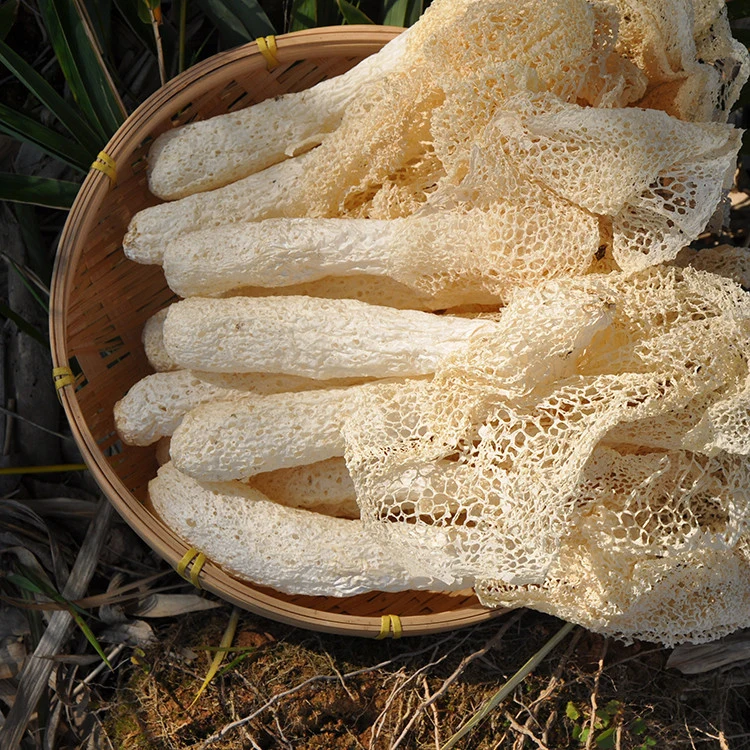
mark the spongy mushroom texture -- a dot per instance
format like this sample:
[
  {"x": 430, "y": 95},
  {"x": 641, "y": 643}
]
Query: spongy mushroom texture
[
  {"x": 724, "y": 260},
  {"x": 291, "y": 550},
  {"x": 154, "y": 407},
  {"x": 616, "y": 575},
  {"x": 222, "y": 441},
  {"x": 258, "y": 382},
  {"x": 500, "y": 477},
  {"x": 450, "y": 257},
  {"x": 153, "y": 342},
  {"x": 311, "y": 337},
  {"x": 564, "y": 42},
  {"x": 324, "y": 486},
  {"x": 694, "y": 66},
  {"x": 210, "y": 153},
  {"x": 669, "y": 176}
]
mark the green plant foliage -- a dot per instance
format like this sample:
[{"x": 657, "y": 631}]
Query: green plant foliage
[
  {"x": 238, "y": 21},
  {"x": 608, "y": 720},
  {"x": 402, "y": 12},
  {"x": 69, "y": 117},
  {"x": 23, "y": 325},
  {"x": 28, "y": 130},
  {"x": 83, "y": 67},
  {"x": 304, "y": 15},
  {"x": 352, "y": 14},
  {"x": 8, "y": 12},
  {"x": 27, "y": 581}
]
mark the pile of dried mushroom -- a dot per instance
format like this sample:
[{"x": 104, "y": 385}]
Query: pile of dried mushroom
[{"x": 440, "y": 330}]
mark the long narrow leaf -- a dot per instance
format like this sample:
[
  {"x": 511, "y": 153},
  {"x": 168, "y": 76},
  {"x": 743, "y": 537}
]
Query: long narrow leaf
[
  {"x": 99, "y": 15},
  {"x": 509, "y": 686},
  {"x": 37, "y": 250},
  {"x": 26, "y": 280},
  {"x": 83, "y": 67},
  {"x": 128, "y": 11},
  {"x": 351, "y": 13},
  {"x": 230, "y": 19},
  {"x": 226, "y": 642},
  {"x": 27, "y": 129},
  {"x": 231, "y": 31},
  {"x": 252, "y": 17},
  {"x": 304, "y": 15},
  {"x": 23, "y": 325},
  {"x": 68, "y": 116},
  {"x": 402, "y": 12},
  {"x": 39, "y": 191},
  {"x": 90, "y": 637},
  {"x": 8, "y": 12}
]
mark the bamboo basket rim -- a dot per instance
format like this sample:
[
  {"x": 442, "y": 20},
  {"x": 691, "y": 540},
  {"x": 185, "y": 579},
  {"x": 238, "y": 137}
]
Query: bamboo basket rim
[{"x": 82, "y": 219}]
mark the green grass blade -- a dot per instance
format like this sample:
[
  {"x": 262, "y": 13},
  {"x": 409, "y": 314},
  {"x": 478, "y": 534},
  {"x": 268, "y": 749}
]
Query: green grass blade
[
  {"x": 39, "y": 191},
  {"x": 68, "y": 116},
  {"x": 236, "y": 22},
  {"x": 304, "y": 15},
  {"x": 402, "y": 12},
  {"x": 351, "y": 13},
  {"x": 8, "y": 12},
  {"x": 83, "y": 67},
  {"x": 27, "y": 129},
  {"x": 88, "y": 633},
  {"x": 128, "y": 11},
  {"x": 28, "y": 582},
  {"x": 509, "y": 686},
  {"x": 252, "y": 17},
  {"x": 23, "y": 325},
  {"x": 226, "y": 642},
  {"x": 28, "y": 280},
  {"x": 100, "y": 19},
  {"x": 37, "y": 250}
]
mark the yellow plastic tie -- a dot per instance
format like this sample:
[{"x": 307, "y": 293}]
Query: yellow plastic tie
[
  {"x": 105, "y": 163},
  {"x": 198, "y": 559},
  {"x": 267, "y": 48},
  {"x": 62, "y": 376},
  {"x": 390, "y": 625}
]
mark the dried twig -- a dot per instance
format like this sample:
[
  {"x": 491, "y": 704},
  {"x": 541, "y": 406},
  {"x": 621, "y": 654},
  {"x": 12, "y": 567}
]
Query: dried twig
[
  {"x": 488, "y": 646},
  {"x": 525, "y": 731},
  {"x": 311, "y": 680},
  {"x": 594, "y": 692},
  {"x": 435, "y": 718}
]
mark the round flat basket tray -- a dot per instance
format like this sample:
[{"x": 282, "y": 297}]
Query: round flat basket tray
[{"x": 101, "y": 300}]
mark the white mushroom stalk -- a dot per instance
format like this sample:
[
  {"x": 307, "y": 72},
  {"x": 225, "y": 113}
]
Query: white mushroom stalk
[
  {"x": 452, "y": 257},
  {"x": 314, "y": 338},
  {"x": 154, "y": 407},
  {"x": 292, "y": 550},
  {"x": 221, "y": 441},
  {"x": 211, "y": 153},
  {"x": 323, "y": 486},
  {"x": 238, "y": 439}
]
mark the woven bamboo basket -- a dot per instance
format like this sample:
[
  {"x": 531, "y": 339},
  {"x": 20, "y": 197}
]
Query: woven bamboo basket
[{"x": 100, "y": 301}]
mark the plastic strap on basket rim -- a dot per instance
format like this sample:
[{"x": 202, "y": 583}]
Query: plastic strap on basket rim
[
  {"x": 62, "y": 376},
  {"x": 105, "y": 163},
  {"x": 197, "y": 559},
  {"x": 267, "y": 47},
  {"x": 390, "y": 625}
]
